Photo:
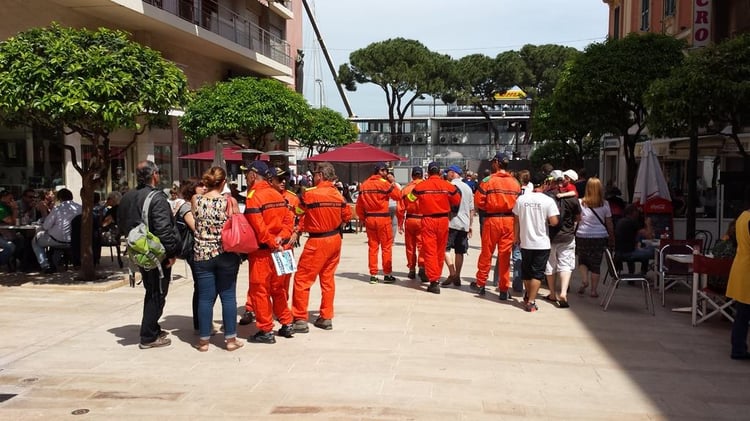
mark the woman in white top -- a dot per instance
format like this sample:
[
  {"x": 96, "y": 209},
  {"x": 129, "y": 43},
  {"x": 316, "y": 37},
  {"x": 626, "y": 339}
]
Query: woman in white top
[{"x": 595, "y": 233}]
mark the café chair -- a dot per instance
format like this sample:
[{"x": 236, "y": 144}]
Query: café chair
[
  {"x": 617, "y": 277},
  {"x": 706, "y": 301},
  {"x": 707, "y": 239},
  {"x": 671, "y": 273}
]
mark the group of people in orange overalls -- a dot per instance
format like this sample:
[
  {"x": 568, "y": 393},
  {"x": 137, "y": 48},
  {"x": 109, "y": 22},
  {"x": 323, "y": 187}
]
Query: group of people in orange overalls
[{"x": 278, "y": 218}]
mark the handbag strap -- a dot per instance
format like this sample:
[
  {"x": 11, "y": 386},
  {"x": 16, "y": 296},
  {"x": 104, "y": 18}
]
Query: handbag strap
[
  {"x": 598, "y": 217},
  {"x": 232, "y": 206}
]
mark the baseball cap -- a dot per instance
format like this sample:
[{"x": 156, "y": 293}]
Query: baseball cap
[
  {"x": 571, "y": 174},
  {"x": 433, "y": 166},
  {"x": 500, "y": 156},
  {"x": 456, "y": 169},
  {"x": 416, "y": 171},
  {"x": 555, "y": 175},
  {"x": 278, "y": 172},
  {"x": 381, "y": 166},
  {"x": 258, "y": 167}
]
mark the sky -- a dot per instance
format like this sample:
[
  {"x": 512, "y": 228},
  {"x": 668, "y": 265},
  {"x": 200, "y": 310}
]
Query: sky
[{"x": 453, "y": 27}]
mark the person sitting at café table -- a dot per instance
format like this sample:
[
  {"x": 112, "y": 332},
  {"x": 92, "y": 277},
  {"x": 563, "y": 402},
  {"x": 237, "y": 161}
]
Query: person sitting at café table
[
  {"x": 628, "y": 248},
  {"x": 56, "y": 228},
  {"x": 8, "y": 239}
]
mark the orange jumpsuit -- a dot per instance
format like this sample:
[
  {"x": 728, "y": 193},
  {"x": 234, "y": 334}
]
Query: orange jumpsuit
[
  {"x": 267, "y": 212},
  {"x": 410, "y": 218},
  {"x": 322, "y": 210},
  {"x": 372, "y": 207},
  {"x": 436, "y": 198},
  {"x": 496, "y": 198},
  {"x": 292, "y": 202}
]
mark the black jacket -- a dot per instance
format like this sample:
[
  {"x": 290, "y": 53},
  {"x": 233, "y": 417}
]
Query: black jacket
[{"x": 160, "y": 219}]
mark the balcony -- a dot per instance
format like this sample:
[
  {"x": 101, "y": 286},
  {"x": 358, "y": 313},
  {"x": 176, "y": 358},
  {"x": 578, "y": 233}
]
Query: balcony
[{"x": 226, "y": 23}]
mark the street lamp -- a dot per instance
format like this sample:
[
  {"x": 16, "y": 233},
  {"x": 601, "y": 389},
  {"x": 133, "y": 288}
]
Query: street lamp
[{"x": 319, "y": 83}]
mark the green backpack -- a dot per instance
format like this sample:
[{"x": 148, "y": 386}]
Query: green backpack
[{"x": 144, "y": 248}]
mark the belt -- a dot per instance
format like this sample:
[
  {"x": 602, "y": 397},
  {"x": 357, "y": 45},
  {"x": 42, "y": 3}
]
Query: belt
[
  {"x": 498, "y": 214},
  {"x": 324, "y": 234},
  {"x": 413, "y": 216},
  {"x": 437, "y": 215},
  {"x": 378, "y": 214}
]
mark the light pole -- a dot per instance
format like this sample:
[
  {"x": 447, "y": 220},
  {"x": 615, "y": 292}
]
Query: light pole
[{"x": 319, "y": 83}]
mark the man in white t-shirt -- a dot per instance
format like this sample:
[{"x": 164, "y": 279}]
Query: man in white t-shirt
[
  {"x": 459, "y": 228},
  {"x": 533, "y": 212}
]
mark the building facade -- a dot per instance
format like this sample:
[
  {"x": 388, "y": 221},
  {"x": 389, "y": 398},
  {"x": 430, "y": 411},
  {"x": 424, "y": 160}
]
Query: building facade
[
  {"x": 699, "y": 23},
  {"x": 210, "y": 40}
]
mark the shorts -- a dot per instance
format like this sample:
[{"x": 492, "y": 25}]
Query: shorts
[
  {"x": 590, "y": 251},
  {"x": 457, "y": 240},
  {"x": 562, "y": 258},
  {"x": 533, "y": 263}
]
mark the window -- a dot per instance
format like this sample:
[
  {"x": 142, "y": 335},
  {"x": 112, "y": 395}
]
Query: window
[
  {"x": 645, "y": 4},
  {"x": 670, "y": 7}
]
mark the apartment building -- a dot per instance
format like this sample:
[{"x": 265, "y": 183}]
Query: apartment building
[
  {"x": 210, "y": 40},
  {"x": 699, "y": 23}
]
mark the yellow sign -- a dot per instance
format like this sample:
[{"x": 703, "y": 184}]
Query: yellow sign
[{"x": 512, "y": 93}]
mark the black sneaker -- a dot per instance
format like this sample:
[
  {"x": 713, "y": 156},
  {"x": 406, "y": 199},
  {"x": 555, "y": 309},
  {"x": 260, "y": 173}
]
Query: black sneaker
[
  {"x": 422, "y": 275},
  {"x": 504, "y": 295},
  {"x": 434, "y": 288},
  {"x": 286, "y": 331},
  {"x": 300, "y": 326},
  {"x": 247, "y": 318},
  {"x": 325, "y": 324},
  {"x": 158, "y": 343},
  {"x": 262, "y": 337},
  {"x": 373, "y": 280},
  {"x": 412, "y": 274},
  {"x": 447, "y": 281},
  {"x": 479, "y": 290},
  {"x": 163, "y": 334},
  {"x": 389, "y": 279}
]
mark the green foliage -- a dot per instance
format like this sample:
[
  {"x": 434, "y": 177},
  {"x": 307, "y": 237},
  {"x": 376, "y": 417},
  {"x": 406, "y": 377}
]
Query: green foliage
[
  {"x": 93, "y": 82},
  {"x": 404, "y": 69},
  {"x": 545, "y": 64},
  {"x": 327, "y": 129},
  {"x": 565, "y": 154},
  {"x": 245, "y": 109}
]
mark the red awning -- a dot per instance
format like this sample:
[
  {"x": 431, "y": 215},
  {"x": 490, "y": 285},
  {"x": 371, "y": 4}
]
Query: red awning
[
  {"x": 357, "y": 152},
  {"x": 231, "y": 154}
]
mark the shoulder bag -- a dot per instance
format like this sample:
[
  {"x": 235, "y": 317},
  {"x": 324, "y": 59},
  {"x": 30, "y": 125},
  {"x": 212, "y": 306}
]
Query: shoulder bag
[{"x": 237, "y": 236}]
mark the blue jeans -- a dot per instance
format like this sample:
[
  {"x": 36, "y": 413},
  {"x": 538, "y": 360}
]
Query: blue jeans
[
  {"x": 642, "y": 255},
  {"x": 217, "y": 276},
  {"x": 739, "y": 328},
  {"x": 516, "y": 281},
  {"x": 7, "y": 251}
]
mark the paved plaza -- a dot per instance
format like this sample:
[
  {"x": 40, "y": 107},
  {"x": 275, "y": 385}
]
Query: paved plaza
[{"x": 395, "y": 352}]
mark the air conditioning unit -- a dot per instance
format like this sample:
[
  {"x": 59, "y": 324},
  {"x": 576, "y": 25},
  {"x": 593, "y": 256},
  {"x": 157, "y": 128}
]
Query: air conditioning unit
[
  {"x": 420, "y": 139},
  {"x": 407, "y": 138},
  {"x": 454, "y": 139},
  {"x": 443, "y": 139}
]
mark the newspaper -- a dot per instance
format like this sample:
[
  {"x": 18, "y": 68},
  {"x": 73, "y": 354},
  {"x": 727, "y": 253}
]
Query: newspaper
[{"x": 284, "y": 262}]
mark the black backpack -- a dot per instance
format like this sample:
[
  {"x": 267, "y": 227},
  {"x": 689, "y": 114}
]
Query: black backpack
[{"x": 187, "y": 239}]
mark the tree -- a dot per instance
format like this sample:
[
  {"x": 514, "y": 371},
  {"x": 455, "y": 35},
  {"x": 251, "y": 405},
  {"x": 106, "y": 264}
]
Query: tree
[
  {"x": 545, "y": 64},
  {"x": 607, "y": 85},
  {"x": 245, "y": 111},
  {"x": 327, "y": 129},
  {"x": 66, "y": 80},
  {"x": 480, "y": 78},
  {"x": 404, "y": 69},
  {"x": 709, "y": 91}
]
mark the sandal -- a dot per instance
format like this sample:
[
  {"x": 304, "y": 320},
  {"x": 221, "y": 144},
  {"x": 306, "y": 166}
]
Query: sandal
[
  {"x": 233, "y": 344},
  {"x": 594, "y": 295},
  {"x": 582, "y": 289},
  {"x": 202, "y": 345},
  {"x": 549, "y": 298}
]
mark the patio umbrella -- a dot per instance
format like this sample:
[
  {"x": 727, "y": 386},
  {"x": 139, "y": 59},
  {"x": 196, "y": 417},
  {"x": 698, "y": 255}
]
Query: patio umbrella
[
  {"x": 357, "y": 152},
  {"x": 230, "y": 154},
  {"x": 650, "y": 182},
  {"x": 357, "y": 156}
]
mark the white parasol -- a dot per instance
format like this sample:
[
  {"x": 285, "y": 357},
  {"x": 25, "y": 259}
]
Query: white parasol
[{"x": 650, "y": 181}]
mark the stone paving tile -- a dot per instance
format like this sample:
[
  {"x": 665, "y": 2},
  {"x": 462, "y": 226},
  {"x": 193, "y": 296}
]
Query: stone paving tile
[{"x": 396, "y": 352}]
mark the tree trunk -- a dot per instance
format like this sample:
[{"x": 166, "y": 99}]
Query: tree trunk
[
  {"x": 631, "y": 167},
  {"x": 88, "y": 271},
  {"x": 692, "y": 176}
]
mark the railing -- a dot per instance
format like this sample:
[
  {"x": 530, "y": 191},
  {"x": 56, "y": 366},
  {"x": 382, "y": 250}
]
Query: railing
[{"x": 226, "y": 23}]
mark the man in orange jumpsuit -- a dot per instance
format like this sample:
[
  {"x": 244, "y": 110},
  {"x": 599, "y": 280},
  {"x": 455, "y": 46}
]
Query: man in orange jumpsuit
[
  {"x": 278, "y": 181},
  {"x": 269, "y": 216},
  {"x": 495, "y": 197},
  {"x": 410, "y": 225},
  {"x": 436, "y": 198},
  {"x": 322, "y": 211},
  {"x": 372, "y": 208}
]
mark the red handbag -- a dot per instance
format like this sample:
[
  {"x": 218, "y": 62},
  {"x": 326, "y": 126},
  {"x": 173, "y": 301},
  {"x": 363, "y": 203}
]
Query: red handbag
[{"x": 237, "y": 236}]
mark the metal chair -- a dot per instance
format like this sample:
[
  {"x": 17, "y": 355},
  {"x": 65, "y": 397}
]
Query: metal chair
[
  {"x": 617, "y": 278},
  {"x": 673, "y": 273},
  {"x": 707, "y": 238},
  {"x": 703, "y": 296}
]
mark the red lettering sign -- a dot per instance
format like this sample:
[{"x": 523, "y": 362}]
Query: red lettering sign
[
  {"x": 701, "y": 22},
  {"x": 701, "y": 16}
]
